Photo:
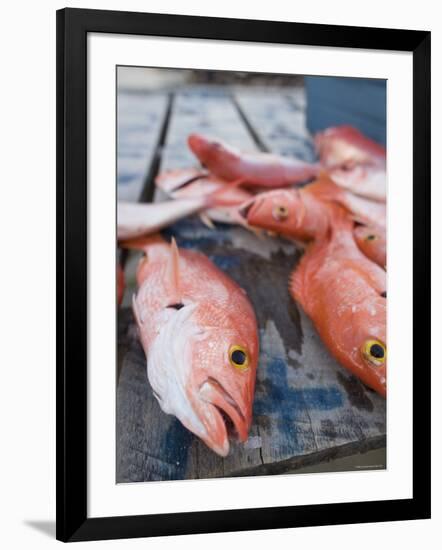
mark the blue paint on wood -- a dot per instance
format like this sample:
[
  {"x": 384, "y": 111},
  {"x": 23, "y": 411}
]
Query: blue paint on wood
[
  {"x": 322, "y": 399},
  {"x": 279, "y": 401},
  {"x": 287, "y": 404},
  {"x": 281, "y": 396},
  {"x": 175, "y": 448},
  {"x": 192, "y": 233},
  {"x": 225, "y": 263}
]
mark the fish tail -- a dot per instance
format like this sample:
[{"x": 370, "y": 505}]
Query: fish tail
[{"x": 142, "y": 243}]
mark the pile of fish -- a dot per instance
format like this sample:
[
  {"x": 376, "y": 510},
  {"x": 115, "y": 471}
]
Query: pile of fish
[{"x": 201, "y": 362}]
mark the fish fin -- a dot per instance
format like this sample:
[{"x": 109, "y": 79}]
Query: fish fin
[
  {"x": 142, "y": 243},
  {"x": 173, "y": 272},
  {"x": 206, "y": 220}
]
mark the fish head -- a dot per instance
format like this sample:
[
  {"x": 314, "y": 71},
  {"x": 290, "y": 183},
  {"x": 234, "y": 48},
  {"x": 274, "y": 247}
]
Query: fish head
[
  {"x": 368, "y": 345},
  {"x": 223, "y": 381},
  {"x": 374, "y": 356},
  {"x": 372, "y": 242},
  {"x": 206, "y": 374},
  {"x": 201, "y": 145},
  {"x": 210, "y": 151},
  {"x": 280, "y": 211}
]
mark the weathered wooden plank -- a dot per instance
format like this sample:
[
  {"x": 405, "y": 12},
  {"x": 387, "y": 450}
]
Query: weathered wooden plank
[
  {"x": 140, "y": 119},
  {"x": 307, "y": 408},
  {"x": 139, "y": 123},
  {"x": 279, "y": 120},
  {"x": 144, "y": 454},
  {"x": 206, "y": 113}
]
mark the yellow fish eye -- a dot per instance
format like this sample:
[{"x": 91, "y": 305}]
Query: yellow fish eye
[
  {"x": 375, "y": 352},
  {"x": 239, "y": 358},
  {"x": 280, "y": 212},
  {"x": 371, "y": 237}
]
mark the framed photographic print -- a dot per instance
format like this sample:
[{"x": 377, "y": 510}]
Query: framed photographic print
[{"x": 243, "y": 214}]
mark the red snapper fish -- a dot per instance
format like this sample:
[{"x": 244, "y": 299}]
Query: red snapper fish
[
  {"x": 200, "y": 335},
  {"x": 339, "y": 288},
  {"x": 354, "y": 161},
  {"x": 172, "y": 180},
  {"x": 362, "y": 210},
  {"x": 190, "y": 184},
  {"x": 366, "y": 181},
  {"x": 186, "y": 183},
  {"x": 137, "y": 219},
  {"x": 252, "y": 169},
  {"x": 346, "y": 147},
  {"x": 303, "y": 214},
  {"x": 372, "y": 241}
]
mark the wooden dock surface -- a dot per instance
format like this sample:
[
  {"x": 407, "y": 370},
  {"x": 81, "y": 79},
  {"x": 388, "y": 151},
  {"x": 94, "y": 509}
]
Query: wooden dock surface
[{"x": 307, "y": 408}]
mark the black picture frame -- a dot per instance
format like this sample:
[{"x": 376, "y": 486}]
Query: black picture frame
[{"x": 73, "y": 25}]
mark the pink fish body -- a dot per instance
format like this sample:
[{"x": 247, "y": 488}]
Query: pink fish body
[
  {"x": 345, "y": 147},
  {"x": 343, "y": 292},
  {"x": 367, "y": 181},
  {"x": 339, "y": 288},
  {"x": 254, "y": 169},
  {"x": 200, "y": 336},
  {"x": 205, "y": 185},
  {"x": 353, "y": 161},
  {"x": 304, "y": 213},
  {"x": 172, "y": 180},
  {"x": 372, "y": 241},
  {"x": 137, "y": 219}
]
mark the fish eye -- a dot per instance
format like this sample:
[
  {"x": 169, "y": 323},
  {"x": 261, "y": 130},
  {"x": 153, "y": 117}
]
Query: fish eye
[
  {"x": 375, "y": 352},
  {"x": 280, "y": 212},
  {"x": 370, "y": 237},
  {"x": 239, "y": 358}
]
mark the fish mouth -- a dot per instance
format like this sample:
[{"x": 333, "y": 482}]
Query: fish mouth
[
  {"x": 245, "y": 210},
  {"x": 229, "y": 421},
  {"x": 195, "y": 143}
]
